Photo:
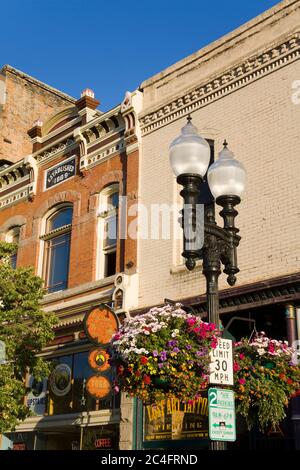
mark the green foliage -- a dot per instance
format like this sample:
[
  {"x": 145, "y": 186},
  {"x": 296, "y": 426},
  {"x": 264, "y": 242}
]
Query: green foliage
[{"x": 25, "y": 330}]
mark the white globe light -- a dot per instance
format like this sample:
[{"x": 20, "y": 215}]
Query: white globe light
[
  {"x": 226, "y": 176},
  {"x": 189, "y": 153}
]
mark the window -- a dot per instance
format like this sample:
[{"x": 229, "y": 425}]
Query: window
[
  {"x": 108, "y": 230},
  {"x": 13, "y": 236},
  {"x": 57, "y": 249},
  {"x": 67, "y": 386}
]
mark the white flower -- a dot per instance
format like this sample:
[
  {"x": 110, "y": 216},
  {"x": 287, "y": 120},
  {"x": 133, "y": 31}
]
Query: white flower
[{"x": 261, "y": 351}]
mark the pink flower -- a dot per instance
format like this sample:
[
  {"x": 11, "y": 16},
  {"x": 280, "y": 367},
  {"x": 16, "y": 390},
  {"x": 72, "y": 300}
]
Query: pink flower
[
  {"x": 242, "y": 381},
  {"x": 242, "y": 356},
  {"x": 116, "y": 389},
  {"x": 191, "y": 321},
  {"x": 236, "y": 367}
]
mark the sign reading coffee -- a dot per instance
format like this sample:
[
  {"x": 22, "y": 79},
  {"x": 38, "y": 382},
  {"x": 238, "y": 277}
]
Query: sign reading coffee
[
  {"x": 171, "y": 419},
  {"x": 61, "y": 172}
]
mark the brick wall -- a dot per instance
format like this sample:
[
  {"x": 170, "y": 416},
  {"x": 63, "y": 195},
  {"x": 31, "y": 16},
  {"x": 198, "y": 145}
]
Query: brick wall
[
  {"x": 261, "y": 125},
  {"x": 22, "y": 101}
]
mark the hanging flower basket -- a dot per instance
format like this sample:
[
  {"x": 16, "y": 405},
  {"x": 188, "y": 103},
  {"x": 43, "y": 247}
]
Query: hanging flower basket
[
  {"x": 164, "y": 352},
  {"x": 265, "y": 380}
]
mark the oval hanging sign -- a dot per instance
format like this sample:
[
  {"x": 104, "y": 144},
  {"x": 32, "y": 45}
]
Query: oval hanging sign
[
  {"x": 98, "y": 360},
  {"x": 101, "y": 324},
  {"x": 98, "y": 386}
]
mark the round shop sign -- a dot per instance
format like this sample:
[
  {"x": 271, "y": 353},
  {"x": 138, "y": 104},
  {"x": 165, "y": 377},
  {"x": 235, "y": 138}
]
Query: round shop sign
[
  {"x": 98, "y": 360},
  {"x": 101, "y": 324},
  {"x": 98, "y": 386},
  {"x": 60, "y": 380}
]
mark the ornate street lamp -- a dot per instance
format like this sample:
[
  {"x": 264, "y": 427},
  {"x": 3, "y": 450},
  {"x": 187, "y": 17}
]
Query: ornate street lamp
[{"x": 189, "y": 158}]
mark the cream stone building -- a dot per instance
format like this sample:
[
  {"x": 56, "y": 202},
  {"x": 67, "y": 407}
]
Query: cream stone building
[{"x": 242, "y": 87}]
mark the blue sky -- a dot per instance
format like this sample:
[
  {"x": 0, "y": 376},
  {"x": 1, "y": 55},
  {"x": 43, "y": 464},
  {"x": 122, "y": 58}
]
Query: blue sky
[{"x": 111, "y": 46}]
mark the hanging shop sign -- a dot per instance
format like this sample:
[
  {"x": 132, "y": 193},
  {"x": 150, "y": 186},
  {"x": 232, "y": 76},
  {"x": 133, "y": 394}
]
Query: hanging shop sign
[
  {"x": 61, "y": 172},
  {"x": 101, "y": 323},
  {"x": 36, "y": 398},
  {"x": 221, "y": 367},
  {"x": 98, "y": 386},
  {"x": 60, "y": 380},
  {"x": 171, "y": 419},
  {"x": 221, "y": 415},
  {"x": 98, "y": 360}
]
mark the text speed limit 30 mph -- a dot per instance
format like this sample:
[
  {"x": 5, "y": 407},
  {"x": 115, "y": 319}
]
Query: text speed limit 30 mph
[{"x": 221, "y": 367}]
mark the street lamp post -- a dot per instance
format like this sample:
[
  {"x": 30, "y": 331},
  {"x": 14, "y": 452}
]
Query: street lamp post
[{"x": 189, "y": 158}]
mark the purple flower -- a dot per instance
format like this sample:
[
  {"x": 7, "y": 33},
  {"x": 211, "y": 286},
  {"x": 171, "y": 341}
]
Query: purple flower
[
  {"x": 201, "y": 352},
  {"x": 160, "y": 365},
  {"x": 172, "y": 343},
  {"x": 163, "y": 356},
  {"x": 188, "y": 346},
  {"x": 155, "y": 353},
  {"x": 176, "y": 350}
]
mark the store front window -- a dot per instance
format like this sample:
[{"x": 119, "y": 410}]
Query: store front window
[{"x": 67, "y": 386}]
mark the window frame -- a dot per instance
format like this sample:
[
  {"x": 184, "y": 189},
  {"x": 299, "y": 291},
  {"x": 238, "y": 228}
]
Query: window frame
[
  {"x": 103, "y": 217},
  {"x": 46, "y": 239},
  {"x": 12, "y": 232}
]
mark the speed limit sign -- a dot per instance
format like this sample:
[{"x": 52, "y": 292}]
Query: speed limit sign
[{"x": 221, "y": 366}]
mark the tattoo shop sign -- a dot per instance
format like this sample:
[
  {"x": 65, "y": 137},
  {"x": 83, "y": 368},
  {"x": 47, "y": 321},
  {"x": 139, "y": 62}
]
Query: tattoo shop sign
[{"x": 60, "y": 172}]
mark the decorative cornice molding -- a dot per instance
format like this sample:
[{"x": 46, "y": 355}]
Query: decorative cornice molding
[
  {"x": 22, "y": 193},
  {"x": 230, "y": 80},
  {"x": 102, "y": 154},
  {"x": 14, "y": 175},
  {"x": 54, "y": 151}
]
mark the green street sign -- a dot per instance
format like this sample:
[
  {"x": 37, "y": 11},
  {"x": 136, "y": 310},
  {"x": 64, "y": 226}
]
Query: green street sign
[{"x": 221, "y": 415}]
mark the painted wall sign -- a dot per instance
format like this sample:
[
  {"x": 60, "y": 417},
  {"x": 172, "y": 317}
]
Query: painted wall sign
[
  {"x": 101, "y": 324},
  {"x": 98, "y": 360},
  {"x": 60, "y": 380},
  {"x": 60, "y": 172},
  {"x": 173, "y": 420},
  {"x": 98, "y": 386}
]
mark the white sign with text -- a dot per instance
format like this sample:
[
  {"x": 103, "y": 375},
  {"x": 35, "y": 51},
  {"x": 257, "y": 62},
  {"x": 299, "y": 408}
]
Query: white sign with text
[{"x": 221, "y": 367}]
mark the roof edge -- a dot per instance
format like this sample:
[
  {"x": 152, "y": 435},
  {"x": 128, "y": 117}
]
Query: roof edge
[
  {"x": 216, "y": 46},
  {"x": 35, "y": 81}
]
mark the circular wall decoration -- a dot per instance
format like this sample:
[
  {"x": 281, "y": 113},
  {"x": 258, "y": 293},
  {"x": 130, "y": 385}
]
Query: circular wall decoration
[
  {"x": 98, "y": 360},
  {"x": 101, "y": 324},
  {"x": 60, "y": 380},
  {"x": 98, "y": 386}
]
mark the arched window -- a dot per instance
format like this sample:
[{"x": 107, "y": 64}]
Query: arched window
[
  {"x": 108, "y": 231},
  {"x": 13, "y": 236},
  {"x": 57, "y": 241}
]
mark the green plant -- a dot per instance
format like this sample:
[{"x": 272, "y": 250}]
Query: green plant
[
  {"x": 162, "y": 353},
  {"x": 25, "y": 329}
]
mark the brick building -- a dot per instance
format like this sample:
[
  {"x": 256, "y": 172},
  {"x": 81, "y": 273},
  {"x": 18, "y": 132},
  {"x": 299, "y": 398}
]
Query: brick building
[
  {"x": 60, "y": 205},
  {"x": 23, "y": 100}
]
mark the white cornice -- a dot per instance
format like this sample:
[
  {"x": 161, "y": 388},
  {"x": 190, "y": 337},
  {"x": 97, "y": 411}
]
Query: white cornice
[
  {"x": 238, "y": 35},
  {"x": 223, "y": 83}
]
